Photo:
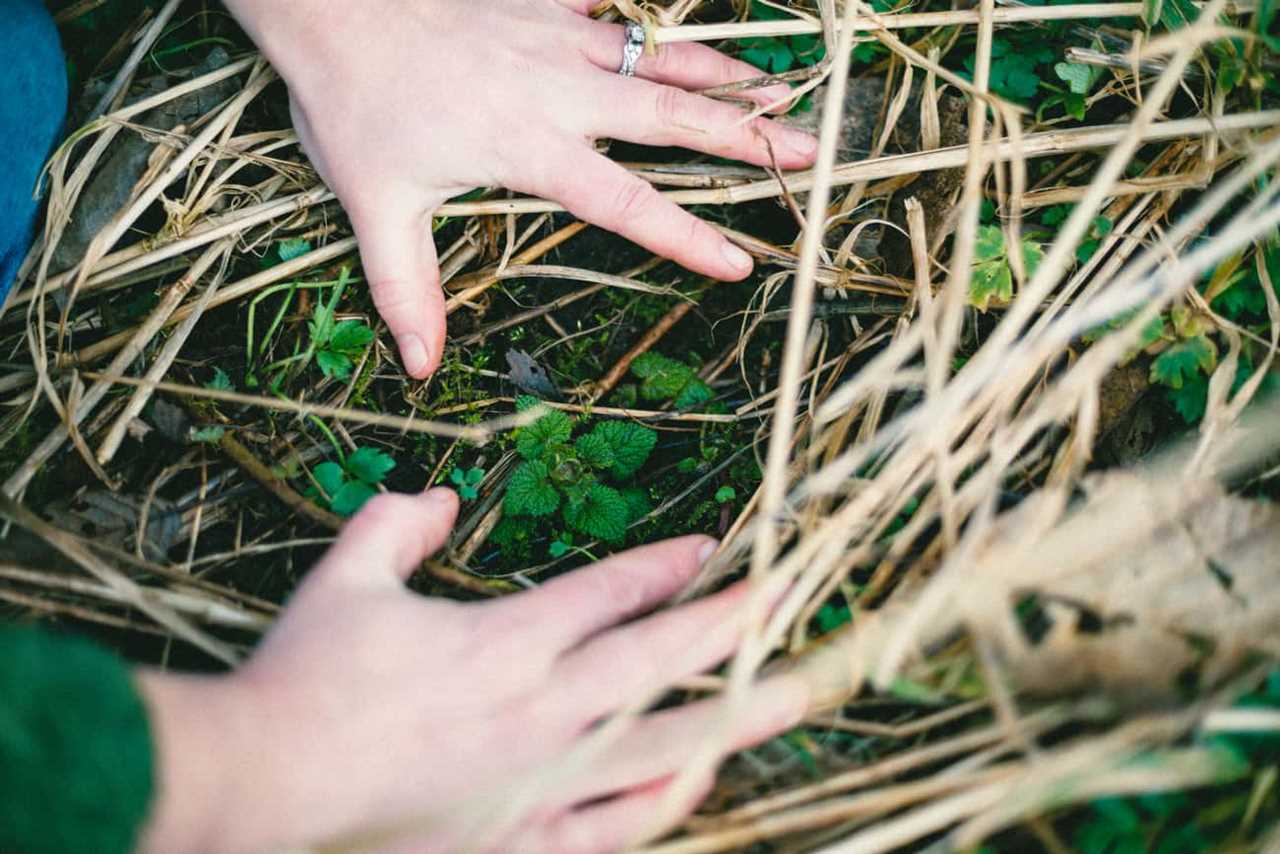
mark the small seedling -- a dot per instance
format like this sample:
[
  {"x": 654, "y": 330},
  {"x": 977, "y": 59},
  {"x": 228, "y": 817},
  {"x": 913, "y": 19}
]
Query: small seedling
[
  {"x": 467, "y": 482},
  {"x": 992, "y": 275},
  {"x": 566, "y": 475},
  {"x": 665, "y": 379},
  {"x": 725, "y": 494},
  {"x": 337, "y": 344},
  {"x": 345, "y": 487}
]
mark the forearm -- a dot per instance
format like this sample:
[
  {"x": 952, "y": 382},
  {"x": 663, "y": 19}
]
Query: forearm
[{"x": 204, "y": 766}]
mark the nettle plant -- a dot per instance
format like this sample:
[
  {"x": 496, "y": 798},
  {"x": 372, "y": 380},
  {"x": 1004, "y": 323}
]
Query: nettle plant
[{"x": 577, "y": 482}]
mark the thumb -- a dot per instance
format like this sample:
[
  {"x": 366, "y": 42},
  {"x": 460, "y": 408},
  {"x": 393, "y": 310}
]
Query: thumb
[
  {"x": 391, "y": 537},
  {"x": 399, "y": 258}
]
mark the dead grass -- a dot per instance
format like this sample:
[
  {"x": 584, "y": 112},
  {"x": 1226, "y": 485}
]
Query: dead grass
[{"x": 940, "y": 717}]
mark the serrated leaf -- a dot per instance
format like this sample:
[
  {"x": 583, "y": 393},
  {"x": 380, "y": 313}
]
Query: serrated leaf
[
  {"x": 351, "y": 497},
  {"x": 595, "y": 451},
  {"x": 369, "y": 465},
  {"x": 1192, "y": 399},
  {"x": 631, "y": 443},
  {"x": 350, "y": 337},
  {"x": 220, "y": 381},
  {"x": 991, "y": 280},
  {"x": 554, "y": 428},
  {"x": 1079, "y": 78},
  {"x": 1032, "y": 255},
  {"x": 694, "y": 394},
  {"x": 530, "y": 491},
  {"x": 1184, "y": 361},
  {"x": 663, "y": 378},
  {"x": 320, "y": 327},
  {"x": 334, "y": 365},
  {"x": 287, "y": 250},
  {"x": 638, "y": 503},
  {"x": 330, "y": 477},
  {"x": 601, "y": 513},
  {"x": 989, "y": 244}
]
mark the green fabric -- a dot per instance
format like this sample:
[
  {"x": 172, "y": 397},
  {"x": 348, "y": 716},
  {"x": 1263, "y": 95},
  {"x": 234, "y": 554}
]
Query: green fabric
[{"x": 75, "y": 747}]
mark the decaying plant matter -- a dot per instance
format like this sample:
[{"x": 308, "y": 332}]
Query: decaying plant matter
[{"x": 1084, "y": 640}]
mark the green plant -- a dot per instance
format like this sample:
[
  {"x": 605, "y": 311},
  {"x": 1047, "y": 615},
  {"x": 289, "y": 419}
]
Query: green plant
[
  {"x": 1016, "y": 63},
  {"x": 664, "y": 379},
  {"x": 992, "y": 273},
  {"x": 566, "y": 475},
  {"x": 345, "y": 486},
  {"x": 467, "y": 482},
  {"x": 336, "y": 344},
  {"x": 725, "y": 494}
]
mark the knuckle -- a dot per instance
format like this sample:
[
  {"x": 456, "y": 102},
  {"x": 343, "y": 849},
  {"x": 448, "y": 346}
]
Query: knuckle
[
  {"x": 634, "y": 199},
  {"x": 669, "y": 107}
]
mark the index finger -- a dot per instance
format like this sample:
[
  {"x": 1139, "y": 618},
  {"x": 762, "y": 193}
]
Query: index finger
[
  {"x": 596, "y": 189},
  {"x": 575, "y": 606}
]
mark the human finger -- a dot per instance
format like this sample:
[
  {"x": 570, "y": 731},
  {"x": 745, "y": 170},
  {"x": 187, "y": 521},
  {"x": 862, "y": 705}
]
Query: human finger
[
  {"x": 390, "y": 537},
  {"x": 689, "y": 66},
  {"x": 601, "y": 192},
  {"x": 660, "y": 744},
  {"x": 399, "y": 259},
  {"x": 668, "y": 116},
  {"x": 614, "y": 825},
  {"x": 579, "y": 604},
  {"x": 619, "y": 666}
]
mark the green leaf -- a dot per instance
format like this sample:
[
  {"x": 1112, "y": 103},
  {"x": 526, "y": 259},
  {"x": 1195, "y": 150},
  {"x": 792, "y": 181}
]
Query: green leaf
[
  {"x": 991, "y": 280},
  {"x": 638, "y": 503},
  {"x": 320, "y": 327},
  {"x": 989, "y": 245},
  {"x": 287, "y": 250},
  {"x": 1192, "y": 400},
  {"x": 595, "y": 451},
  {"x": 350, "y": 337},
  {"x": 561, "y": 545},
  {"x": 208, "y": 435},
  {"x": 1184, "y": 361},
  {"x": 725, "y": 494},
  {"x": 631, "y": 443},
  {"x": 1079, "y": 78},
  {"x": 530, "y": 492},
  {"x": 1151, "y": 12},
  {"x": 369, "y": 465},
  {"x": 1032, "y": 255},
  {"x": 601, "y": 513},
  {"x": 334, "y": 365},
  {"x": 330, "y": 477},
  {"x": 663, "y": 378},
  {"x": 694, "y": 394},
  {"x": 220, "y": 381},
  {"x": 554, "y": 428},
  {"x": 351, "y": 497}
]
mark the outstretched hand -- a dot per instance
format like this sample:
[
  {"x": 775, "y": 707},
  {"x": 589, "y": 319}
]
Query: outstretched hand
[
  {"x": 368, "y": 706},
  {"x": 402, "y": 104}
]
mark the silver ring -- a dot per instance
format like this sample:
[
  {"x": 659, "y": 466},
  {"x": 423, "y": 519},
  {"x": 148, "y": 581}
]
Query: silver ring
[{"x": 632, "y": 50}]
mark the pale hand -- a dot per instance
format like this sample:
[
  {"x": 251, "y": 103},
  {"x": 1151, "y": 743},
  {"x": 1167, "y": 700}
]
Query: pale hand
[
  {"x": 402, "y": 104},
  {"x": 368, "y": 706}
]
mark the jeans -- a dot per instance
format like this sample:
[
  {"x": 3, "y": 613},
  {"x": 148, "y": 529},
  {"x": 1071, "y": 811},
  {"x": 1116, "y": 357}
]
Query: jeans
[{"x": 33, "y": 102}]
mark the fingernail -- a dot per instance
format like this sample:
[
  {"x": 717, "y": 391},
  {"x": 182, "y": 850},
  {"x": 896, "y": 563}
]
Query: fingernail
[
  {"x": 737, "y": 259},
  {"x": 803, "y": 144},
  {"x": 413, "y": 352},
  {"x": 441, "y": 498},
  {"x": 707, "y": 550}
]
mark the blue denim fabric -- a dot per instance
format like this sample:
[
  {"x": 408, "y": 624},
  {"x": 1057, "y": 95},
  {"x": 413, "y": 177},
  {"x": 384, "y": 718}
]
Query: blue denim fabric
[{"x": 33, "y": 102}]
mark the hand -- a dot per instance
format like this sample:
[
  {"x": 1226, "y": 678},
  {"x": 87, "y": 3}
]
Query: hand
[
  {"x": 402, "y": 104},
  {"x": 368, "y": 706}
]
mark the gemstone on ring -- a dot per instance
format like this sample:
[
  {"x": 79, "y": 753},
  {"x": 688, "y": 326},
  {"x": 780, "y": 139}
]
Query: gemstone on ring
[{"x": 632, "y": 50}]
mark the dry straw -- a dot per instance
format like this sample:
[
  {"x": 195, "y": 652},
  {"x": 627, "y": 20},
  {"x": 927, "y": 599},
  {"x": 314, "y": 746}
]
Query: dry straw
[{"x": 934, "y": 604}]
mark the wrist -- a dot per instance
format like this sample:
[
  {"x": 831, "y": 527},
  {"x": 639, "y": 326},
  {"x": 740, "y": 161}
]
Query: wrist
[{"x": 204, "y": 763}]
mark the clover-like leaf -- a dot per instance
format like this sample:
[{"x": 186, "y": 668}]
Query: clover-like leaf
[
  {"x": 1184, "y": 361},
  {"x": 530, "y": 491},
  {"x": 330, "y": 478},
  {"x": 369, "y": 465},
  {"x": 631, "y": 444},
  {"x": 991, "y": 280},
  {"x": 989, "y": 245},
  {"x": 1079, "y": 78},
  {"x": 351, "y": 497},
  {"x": 350, "y": 337},
  {"x": 334, "y": 365}
]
